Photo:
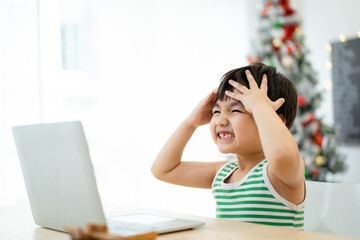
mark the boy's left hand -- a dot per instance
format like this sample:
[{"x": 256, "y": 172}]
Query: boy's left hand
[{"x": 255, "y": 95}]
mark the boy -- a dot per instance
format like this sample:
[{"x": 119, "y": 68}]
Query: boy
[{"x": 250, "y": 115}]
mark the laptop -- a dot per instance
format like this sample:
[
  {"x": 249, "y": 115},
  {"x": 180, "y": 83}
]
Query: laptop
[{"x": 61, "y": 185}]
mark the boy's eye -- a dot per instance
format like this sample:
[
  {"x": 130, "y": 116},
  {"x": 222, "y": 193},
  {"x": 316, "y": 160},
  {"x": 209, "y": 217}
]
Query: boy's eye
[
  {"x": 216, "y": 111},
  {"x": 237, "y": 111}
]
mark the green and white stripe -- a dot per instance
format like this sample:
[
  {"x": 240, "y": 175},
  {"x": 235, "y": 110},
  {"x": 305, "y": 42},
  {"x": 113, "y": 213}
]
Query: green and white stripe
[{"x": 253, "y": 199}]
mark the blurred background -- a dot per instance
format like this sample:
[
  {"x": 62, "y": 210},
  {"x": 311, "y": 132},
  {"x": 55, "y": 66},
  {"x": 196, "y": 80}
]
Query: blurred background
[{"x": 131, "y": 71}]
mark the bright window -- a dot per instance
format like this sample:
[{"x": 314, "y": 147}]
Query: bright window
[{"x": 131, "y": 71}]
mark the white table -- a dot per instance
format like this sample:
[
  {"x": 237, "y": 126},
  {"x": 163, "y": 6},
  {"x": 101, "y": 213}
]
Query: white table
[{"x": 16, "y": 223}]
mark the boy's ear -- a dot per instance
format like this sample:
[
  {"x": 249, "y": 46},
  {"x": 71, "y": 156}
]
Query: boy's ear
[{"x": 282, "y": 118}]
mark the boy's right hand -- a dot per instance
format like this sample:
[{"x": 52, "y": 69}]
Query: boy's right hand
[
  {"x": 202, "y": 113},
  {"x": 168, "y": 166}
]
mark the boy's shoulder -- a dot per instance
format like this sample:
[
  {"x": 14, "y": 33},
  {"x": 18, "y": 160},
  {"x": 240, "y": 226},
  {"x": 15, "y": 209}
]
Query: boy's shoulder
[{"x": 219, "y": 165}]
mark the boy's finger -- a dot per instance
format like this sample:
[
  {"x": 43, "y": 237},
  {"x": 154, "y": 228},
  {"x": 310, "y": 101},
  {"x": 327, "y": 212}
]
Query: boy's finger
[
  {"x": 215, "y": 94},
  {"x": 210, "y": 97},
  {"x": 238, "y": 86},
  {"x": 233, "y": 95},
  {"x": 278, "y": 103},
  {"x": 251, "y": 79},
  {"x": 264, "y": 83}
]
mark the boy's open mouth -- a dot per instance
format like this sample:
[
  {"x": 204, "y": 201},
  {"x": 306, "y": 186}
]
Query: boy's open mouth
[{"x": 225, "y": 135}]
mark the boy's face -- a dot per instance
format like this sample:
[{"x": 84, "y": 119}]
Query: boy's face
[{"x": 233, "y": 129}]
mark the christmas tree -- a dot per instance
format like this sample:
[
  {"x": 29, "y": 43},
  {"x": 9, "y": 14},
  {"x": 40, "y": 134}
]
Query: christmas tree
[{"x": 280, "y": 43}]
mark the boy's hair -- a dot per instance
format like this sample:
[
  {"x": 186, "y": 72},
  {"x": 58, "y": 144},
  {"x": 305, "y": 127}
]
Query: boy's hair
[{"x": 278, "y": 87}]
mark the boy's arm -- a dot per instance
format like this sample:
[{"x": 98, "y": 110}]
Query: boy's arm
[
  {"x": 168, "y": 166},
  {"x": 279, "y": 146}
]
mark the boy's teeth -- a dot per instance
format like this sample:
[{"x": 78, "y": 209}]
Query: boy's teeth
[{"x": 226, "y": 135}]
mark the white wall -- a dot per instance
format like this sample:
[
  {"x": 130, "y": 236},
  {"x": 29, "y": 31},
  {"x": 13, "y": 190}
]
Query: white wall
[
  {"x": 150, "y": 63},
  {"x": 156, "y": 60},
  {"x": 323, "y": 22},
  {"x": 19, "y": 88}
]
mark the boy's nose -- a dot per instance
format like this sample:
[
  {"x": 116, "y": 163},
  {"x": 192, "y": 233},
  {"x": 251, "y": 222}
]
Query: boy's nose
[{"x": 222, "y": 121}]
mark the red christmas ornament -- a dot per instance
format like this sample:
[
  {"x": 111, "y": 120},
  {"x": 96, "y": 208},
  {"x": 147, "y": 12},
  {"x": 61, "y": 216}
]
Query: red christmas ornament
[
  {"x": 275, "y": 48},
  {"x": 268, "y": 4},
  {"x": 301, "y": 101},
  {"x": 252, "y": 59},
  {"x": 317, "y": 134},
  {"x": 288, "y": 32},
  {"x": 285, "y": 5},
  {"x": 310, "y": 119},
  {"x": 297, "y": 45},
  {"x": 318, "y": 138},
  {"x": 315, "y": 172},
  {"x": 264, "y": 13},
  {"x": 289, "y": 49}
]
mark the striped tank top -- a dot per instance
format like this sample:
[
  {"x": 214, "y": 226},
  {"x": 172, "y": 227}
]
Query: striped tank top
[{"x": 253, "y": 199}]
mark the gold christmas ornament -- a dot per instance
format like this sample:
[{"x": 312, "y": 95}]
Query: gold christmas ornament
[
  {"x": 277, "y": 42},
  {"x": 287, "y": 61},
  {"x": 319, "y": 160},
  {"x": 298, "y": 54}
]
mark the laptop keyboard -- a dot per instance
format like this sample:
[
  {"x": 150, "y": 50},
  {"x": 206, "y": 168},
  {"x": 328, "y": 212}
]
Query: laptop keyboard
[{"x": 128, "y": 228}]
